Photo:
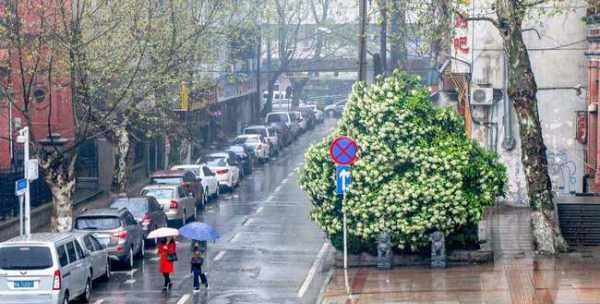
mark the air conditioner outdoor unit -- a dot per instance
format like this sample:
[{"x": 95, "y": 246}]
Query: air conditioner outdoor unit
[{"x": 482, "y": 96}]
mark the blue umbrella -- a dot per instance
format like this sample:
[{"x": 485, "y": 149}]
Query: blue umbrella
[{"x": 199, "y": 232}]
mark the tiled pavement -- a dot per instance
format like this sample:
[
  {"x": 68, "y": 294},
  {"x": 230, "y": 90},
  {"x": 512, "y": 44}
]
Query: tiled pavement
[{"x": 517, "y": 275}]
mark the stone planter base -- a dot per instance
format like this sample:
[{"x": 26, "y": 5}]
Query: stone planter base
[{"x": 456, "y": 257}]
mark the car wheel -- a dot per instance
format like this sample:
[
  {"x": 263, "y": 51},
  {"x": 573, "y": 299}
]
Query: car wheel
[
  {"x": 130, "y": 259},
  {"x": 184, "y": 218},
  {"x": 107, "y": 271},
  {"x": 205, "y": 197},
  {"x": 87, "y": 292}
]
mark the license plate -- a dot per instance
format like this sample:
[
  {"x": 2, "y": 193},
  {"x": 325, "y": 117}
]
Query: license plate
[{"x": 23, "y": 284}]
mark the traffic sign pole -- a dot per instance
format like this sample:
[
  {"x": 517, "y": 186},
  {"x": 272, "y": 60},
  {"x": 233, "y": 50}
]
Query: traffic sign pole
[
  {"x": 343, "y": 151},
  {"x": 27, "y": 218},
  {"x": 21, "y": 215}
]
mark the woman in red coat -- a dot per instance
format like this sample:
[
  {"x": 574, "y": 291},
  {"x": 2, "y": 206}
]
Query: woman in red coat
[{"x": 166, "y": 267}]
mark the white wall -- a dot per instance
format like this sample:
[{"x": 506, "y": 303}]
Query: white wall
[{"x": 559, "y": 64}]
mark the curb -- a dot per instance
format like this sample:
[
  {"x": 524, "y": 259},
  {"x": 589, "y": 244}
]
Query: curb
[{"x": 326, "y": 282}]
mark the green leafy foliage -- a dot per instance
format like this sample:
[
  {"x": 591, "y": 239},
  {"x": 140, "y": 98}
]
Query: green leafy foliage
[{"x": 417, "y": 170}]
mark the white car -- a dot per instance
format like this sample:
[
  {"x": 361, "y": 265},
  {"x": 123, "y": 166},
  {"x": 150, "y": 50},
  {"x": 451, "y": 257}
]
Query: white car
[
  {"x": 269, "y": 134},
  {"x": 226, "y": 169},
  {"x": 97, "y": 253},
  {"x": 302, "y": 123},
  {"x": 256, "y": 143},
  {"x": 209, "y": 180}
]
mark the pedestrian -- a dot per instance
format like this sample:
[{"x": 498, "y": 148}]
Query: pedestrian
[
  {"x": 197, "y": 261},
  {"x": 167, "y": 253}
]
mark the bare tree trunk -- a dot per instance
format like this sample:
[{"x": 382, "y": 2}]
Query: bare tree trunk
[
  {"x": 522, "y": 89},
  {"x": 122, "y": 168},
  {"x": 398, "y": 53},
  {"x": 60, "y": 177},
  {"x": 383, "y": 34}
]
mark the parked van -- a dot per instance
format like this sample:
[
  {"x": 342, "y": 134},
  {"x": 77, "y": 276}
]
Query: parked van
[{"x": 44, "y": 268}]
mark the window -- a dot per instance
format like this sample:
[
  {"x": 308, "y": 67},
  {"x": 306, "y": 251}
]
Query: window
[
  {"x": 216, "y": 161},
  {"x": 62, "y": 256},
  {"x": 207, "y": 171},
  {"x": 88, "y": 243},
  {"x": 80, "y": 254},
  {"x": 25, "y": 258},
  {"x": 137, "y": 206},
  {"x": 97, "y": 244},
  {"x": 129, "y": 220},
  {"x": 97, "y": 223},
  {"x": 167, "y": 180},
  {"x": 159, "y": 193},
  {"x": 71, "y": 252}
]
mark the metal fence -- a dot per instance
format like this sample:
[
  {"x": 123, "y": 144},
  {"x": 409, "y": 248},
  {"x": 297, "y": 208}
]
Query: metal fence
[{"x": 9, "y": 203}]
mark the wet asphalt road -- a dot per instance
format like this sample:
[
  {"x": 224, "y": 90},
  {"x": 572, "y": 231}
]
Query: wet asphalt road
[{"x": 269, "y": 250}]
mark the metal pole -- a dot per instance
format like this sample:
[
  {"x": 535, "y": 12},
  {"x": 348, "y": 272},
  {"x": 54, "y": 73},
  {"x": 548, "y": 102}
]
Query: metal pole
[
  {"x": 362, "y": 42},
  {"x": 27, "y": 194},
  {"x": 10, "y": 134},
  {"x": 346, "y": 282},
  {"x": 21, "y": 215}
]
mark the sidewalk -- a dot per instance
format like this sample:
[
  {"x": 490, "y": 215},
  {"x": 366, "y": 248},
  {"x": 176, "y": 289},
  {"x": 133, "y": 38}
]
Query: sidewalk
[{"x": 517, "y": 275}]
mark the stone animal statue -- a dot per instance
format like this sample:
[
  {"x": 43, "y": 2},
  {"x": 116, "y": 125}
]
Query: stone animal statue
[
  {"x": 384, "y": 251},
  {"x": 438, "y": 250}
]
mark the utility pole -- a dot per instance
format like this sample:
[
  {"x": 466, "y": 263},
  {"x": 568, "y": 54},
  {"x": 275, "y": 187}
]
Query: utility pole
[
  {"x": 362, "y": 42},
  {"x": 26, "y": 217}
]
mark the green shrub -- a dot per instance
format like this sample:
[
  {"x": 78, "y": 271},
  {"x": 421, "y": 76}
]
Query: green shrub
[{"x": 417, "y": 170}]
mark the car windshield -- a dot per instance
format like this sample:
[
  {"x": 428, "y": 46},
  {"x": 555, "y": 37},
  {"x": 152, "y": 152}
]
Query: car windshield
[
  {"x": 246, "y": 140},
  {"x": 97, "y": 223},
  {"x": 25, "y": 258},
  {"x": 167, "y": 180},
  {"x": 237, "y": 149},
  {"x": 216, "y": 161},
  {"x": 276, "y": 118},
  {"x": 137, "y": 206},
  {"x": 262, "y": 132},
  {"x": 159, "y": 194}
]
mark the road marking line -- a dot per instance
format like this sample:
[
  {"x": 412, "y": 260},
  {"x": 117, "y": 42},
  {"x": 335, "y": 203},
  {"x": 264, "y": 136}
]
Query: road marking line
[
  {"x": 155, "y": 259},
  {"x": 184, "y": 299},
  {"x": 248, "y": 222},
  {"x": 291, "y": 174},
  {"x": 270, "y": 198},
  {"x": 312, "y": 271},
  {"x": 235, "y": 237},
  {"x": 278, "y": 188},
  {"x": 130, "y": 281},
  {"x": 285, "y": 180},
  {"x": 260, "y": 209},
  {"x": 99, "y": 301},
  {"x": 219, "y": 255}
]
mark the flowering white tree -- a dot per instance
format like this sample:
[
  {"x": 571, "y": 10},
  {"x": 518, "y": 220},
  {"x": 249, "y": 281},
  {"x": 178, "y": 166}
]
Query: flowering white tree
[{"x": 417, "y": 171}]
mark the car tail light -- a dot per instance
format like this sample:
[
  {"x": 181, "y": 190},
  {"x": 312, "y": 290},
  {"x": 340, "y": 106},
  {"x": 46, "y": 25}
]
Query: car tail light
[
  {"x": 119, "y": 237},
  {"x": 57, "y": 280},
  {"x": 174, "y": 205},
  {"x": 146, "y": 220},
  {"x": 222, "y": 171}
]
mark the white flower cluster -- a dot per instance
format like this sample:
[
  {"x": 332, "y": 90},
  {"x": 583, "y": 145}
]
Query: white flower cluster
[{"x": 417, "y": 171}]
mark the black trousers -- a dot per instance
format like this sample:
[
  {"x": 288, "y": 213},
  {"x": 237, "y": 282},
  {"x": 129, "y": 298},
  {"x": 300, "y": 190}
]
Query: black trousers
[
  {"x": 199, "y": 275},
  {"x": 167, "y": 279}
]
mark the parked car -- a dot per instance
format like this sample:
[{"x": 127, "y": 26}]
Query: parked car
[
  {"x": 97, "y": 253},
  {"x": 116, "y": 229},
  {"x": 286, "y": 119},
  {"x": 209, "y": 181},
  {"x": 283, "y": 132},
  {"x": 44, "y": 268},
  {"x": 225, "y": 167},
  {"x": 335, "y": 109},
  {"x": 308, "y": 115},
  {"x": 256, "y": 143},
  {"x": 179, "y": 205},
  {"x": 186, "y": 179},
  {"x": 245, "y": 157},
  {"x": 146, "y": 210},
  {"x": 319, "y": 117},
  {"x": 302, "y": 123},
  {"x": 268, "y": 133}
]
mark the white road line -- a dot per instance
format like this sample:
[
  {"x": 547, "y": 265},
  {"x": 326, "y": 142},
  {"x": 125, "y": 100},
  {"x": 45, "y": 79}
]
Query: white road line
[
  {"x": 270, "y": 198},
  {"x": 129, "y": 272},
  {"x": 130, "y": 281},
  {"x": 219, "y": 255},
  {"x": 291, "y": 174},
  {"x": 278, "y": 188},
  {"x": 312, "y": 271},
  {"x": 285, "y": 180},
  {"x": 260, "y": 209},
  {"x": 184, "y": 299},
  {"x": 99, "y": 301},
  {"x": 235, "y": 237},
  {"x": 154, "y": 259},
  {"x": 249, "y": 221}
]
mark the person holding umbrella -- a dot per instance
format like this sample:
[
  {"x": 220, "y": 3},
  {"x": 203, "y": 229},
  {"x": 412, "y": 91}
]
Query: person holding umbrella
[
  {"x": 197, "y": 261},
  {"x": 199, "y": 233},
  {"x": 167, "y": 252}
]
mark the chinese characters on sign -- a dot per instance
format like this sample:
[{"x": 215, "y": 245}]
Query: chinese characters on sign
[{"x": 461, "y": 43}]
